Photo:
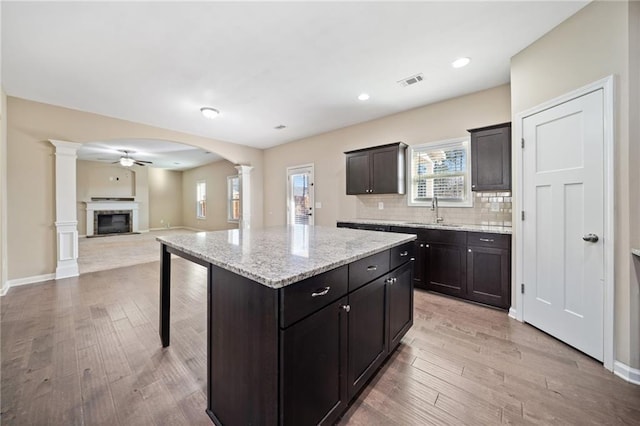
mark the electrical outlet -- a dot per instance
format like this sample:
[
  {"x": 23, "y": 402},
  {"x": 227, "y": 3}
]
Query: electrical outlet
[
  {"x": 380, "y": 205},
  {"x": 495, "y": 207}
]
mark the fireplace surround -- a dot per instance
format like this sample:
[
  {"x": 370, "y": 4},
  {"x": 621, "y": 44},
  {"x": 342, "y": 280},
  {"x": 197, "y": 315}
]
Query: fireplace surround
[{"x": 95, "y": 209}]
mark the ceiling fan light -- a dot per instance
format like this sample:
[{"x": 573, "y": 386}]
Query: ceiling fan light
[{"x": 126, "y": 161}]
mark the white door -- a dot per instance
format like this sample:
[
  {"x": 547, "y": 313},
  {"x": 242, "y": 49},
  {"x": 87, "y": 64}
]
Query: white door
[
  {"x": 300, "y": 195},
  {"x": 563, "y": 201}
]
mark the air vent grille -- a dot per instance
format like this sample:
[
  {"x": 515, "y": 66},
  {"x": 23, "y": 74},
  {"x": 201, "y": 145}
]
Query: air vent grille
[
  {"x": 280, "y": 127},
  {"x": 411, "y": 80}
]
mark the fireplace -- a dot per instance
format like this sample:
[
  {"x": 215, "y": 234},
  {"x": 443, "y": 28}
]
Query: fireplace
[
  {"x": 112, "y": 222},
  {"x": 111, "y": 217}
]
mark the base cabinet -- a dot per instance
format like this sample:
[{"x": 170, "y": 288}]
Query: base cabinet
[
  {"x": 367, "y": 333},
  {"x": 488, "y": 276},
  {"x": 314, "y": 361},
  {"x": 446, "y": 269},
  {"x": 327, "y": 357}
]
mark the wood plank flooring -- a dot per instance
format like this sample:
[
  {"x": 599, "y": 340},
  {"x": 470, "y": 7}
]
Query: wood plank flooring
[{"x": 86, "y": 351}]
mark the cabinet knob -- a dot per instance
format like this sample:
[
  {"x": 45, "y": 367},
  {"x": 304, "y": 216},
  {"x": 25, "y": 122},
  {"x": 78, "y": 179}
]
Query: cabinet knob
[
  {"x": 473, "y": 186},
  {"x": 421, "y": 245},
  {"x": 426, "y": 245},
  {"x": 346, "y": 308},
  {"x": 321, "y": 292},
  {"x": 404, "y": 253},
  {"x": 469, "y": 250}
]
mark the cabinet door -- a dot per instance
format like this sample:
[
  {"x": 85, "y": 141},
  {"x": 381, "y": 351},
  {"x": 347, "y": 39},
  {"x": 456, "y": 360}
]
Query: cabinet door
[
  {"x": 384, "y": 171},
  {"x": 491, "y": 159},
  {"x": 488, "y": 276},
  {"x": 447, "y": 269},
  {"x": 367, "y": 333},
  {"x": 400, "y": 303},
  {"x": 420, "y": 264},
  {"x": 313, "y": 367},
  {"x": 358, "y": 173}
]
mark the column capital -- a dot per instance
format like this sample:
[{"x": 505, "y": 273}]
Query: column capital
[
  {"x": 243, "y": 169},
  {"x": 64, "y": 147}
]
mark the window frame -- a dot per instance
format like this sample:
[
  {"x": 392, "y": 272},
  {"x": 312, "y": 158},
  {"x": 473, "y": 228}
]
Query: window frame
[
  {"x": 464, "y": 142},
  {"x": 201, "y": 214},
  {"x": 230, "y": 199}
]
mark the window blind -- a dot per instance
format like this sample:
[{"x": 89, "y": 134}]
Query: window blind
[{"x": 440, "y": 172}]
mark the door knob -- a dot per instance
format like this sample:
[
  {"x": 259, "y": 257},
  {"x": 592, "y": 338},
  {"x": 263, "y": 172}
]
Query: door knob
[{"x": 592, "y": 238}]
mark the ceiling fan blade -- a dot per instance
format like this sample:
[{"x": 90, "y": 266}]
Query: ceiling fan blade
[
  {"x": 139, "y": 163},
  {"x": 143, "y": 161}
]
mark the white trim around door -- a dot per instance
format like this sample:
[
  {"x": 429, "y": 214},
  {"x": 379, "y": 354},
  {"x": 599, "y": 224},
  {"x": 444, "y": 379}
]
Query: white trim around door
[
  {"x": 293, "y": 217},
  {"x": 607, "y": 86}
]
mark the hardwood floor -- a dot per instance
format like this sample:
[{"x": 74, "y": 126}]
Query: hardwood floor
[{"x": 86, "y": 351}]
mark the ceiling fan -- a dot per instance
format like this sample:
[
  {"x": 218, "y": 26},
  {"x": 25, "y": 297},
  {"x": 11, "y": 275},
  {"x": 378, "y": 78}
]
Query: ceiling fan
[{"x": 127, "y": 161}]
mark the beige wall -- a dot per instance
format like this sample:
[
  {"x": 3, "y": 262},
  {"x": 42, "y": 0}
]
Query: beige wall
[
  {"x": 215, "y": 176},
  {"x": 3, "y": 191},
  {"x": 591, "y": 45},
  {"x": 440, "y": 121},
  {"x": 165, "y": 198},
  {"x": 31, "y": 174},
  {"x": 96, "y": 179}
]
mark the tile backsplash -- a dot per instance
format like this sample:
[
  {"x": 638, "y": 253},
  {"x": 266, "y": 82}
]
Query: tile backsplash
[{"x": 489, "y": 208}]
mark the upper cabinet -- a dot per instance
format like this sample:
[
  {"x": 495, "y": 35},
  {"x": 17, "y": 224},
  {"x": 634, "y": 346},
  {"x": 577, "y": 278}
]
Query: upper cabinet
[
  {"x": 376, "y": 170},
  {"x": 491, "y": 158}
]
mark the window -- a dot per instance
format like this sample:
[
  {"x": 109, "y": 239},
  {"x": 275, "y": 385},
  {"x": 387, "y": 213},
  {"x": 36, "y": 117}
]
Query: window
[
  {"x": 233, "y": 198},
  {"x": 201, "y": 199},
  {"x": 441, "y": 169}
]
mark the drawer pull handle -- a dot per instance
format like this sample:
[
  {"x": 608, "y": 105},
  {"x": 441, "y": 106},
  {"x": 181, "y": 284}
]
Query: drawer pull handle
[
  {"x": 390, "y": 281},
  {"x": 346, "y": 308},
  {"x": 372, "y": 268},
  {"x": 404, "y": 253},
  {"x": 321, "y": 292},
  {"x": 487, "y": 240}
]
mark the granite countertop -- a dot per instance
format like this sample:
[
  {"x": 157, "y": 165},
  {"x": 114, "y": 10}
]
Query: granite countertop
[
  {"x": 279, "y": 256},
  {"x": 427, "y": 225},
  {"x": 635, "y": 251}
]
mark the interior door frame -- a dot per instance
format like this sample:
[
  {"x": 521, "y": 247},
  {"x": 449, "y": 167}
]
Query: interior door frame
[
  {"x": 312, "y": 190},
  {"x": 608, "y": 87}
]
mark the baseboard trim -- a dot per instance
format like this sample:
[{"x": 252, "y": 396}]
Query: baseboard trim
[
  {"x": 4, "y": 290},
  {"x": 164, "y": 229},
  {"x": 513, "y": 313},
  {"x": 630, "y": 374},
  {"x": 16, "y": 282}
]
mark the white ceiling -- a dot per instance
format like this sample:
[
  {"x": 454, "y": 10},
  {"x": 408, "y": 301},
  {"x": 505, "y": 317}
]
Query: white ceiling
[
  {"x": 262, "y": 64},
  {"x": 163, "y": 154}
]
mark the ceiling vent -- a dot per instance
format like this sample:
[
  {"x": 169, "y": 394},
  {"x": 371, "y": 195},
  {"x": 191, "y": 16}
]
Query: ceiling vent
[
  {"x": 411, "y": 80},
  {"x": 280, "y": 127}
]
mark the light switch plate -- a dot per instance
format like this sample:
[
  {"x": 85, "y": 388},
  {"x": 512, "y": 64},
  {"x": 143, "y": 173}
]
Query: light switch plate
[
  {"x": 318, "y": 205},
  {"x": 380, "y": 205}
]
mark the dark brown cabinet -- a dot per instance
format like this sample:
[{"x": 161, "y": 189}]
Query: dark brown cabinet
[
  {"x": 377, "y": 170},
  {"x": 367, "y": 333},
  {"x": 399, "y": 304},
  {"x": 491, "y": 158},
  {"x": 446, "y": 269},
  {"x": 474, "y": 266},
  {"x": 314, "y": 361},
  {"x": 332, "y": 351},
  {"x": 488, "y": 269}
]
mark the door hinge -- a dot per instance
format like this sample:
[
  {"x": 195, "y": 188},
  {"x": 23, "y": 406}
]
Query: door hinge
[
  {"x": 522, "y": 142},
  {"x": 522, "y": 215},
  {"x": 522, "y": 288}
]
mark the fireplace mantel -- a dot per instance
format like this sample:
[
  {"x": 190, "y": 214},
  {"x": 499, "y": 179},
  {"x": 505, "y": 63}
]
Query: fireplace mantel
[{"x": 92, "y": 206}]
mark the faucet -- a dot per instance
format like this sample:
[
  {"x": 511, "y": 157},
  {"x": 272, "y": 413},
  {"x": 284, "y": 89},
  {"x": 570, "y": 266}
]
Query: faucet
[{"x": 434, "y": 207}]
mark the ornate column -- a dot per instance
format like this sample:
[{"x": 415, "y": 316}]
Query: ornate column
[
  {"x": 66, "y": 209},
  {"x": 244, "y": 175}
]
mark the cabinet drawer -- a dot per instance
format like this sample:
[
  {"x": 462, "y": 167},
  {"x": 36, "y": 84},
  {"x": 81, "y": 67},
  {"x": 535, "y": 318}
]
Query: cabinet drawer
[
  {"x": 364, "y": 270},
  {"x": 483, "y": 239},
  {"x": 401, "y": 254},
  {"x": 307, "y": 296},
  {"x": 444, "y": 236}
]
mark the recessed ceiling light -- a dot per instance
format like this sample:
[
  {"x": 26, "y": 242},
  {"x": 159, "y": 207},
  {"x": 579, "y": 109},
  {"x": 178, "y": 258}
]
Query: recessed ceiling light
[
  {"x": 460, "y": 62},
  {"x": 209, "y": 112},
  {"x": 364, "y": 96}
]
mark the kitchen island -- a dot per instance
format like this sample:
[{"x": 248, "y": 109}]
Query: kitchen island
[{"x": 299, "y": 318}]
